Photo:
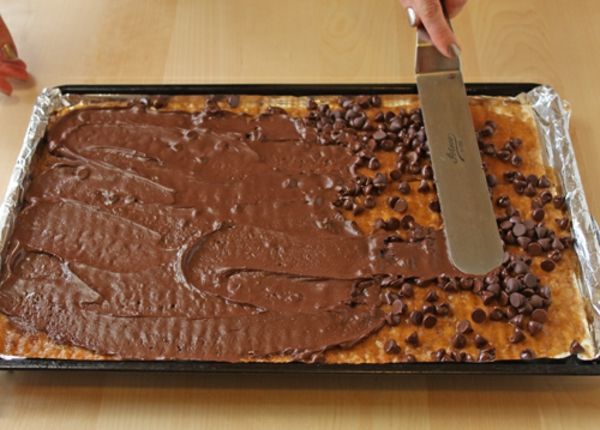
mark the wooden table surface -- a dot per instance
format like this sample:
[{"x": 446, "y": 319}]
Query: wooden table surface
[{"x": 198, "y": 41}]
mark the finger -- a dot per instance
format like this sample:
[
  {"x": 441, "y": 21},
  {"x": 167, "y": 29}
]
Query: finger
[
  {"x": 18, "y": 63},
  {"x": 8, "y": 50},
  {"x": 453, "y": 7},
  {"x": 13, "y": 71},
  {"x": 5, "y": 87},
  {"x": 431, "y": 14},
  {"x": 413, "y": 19}
]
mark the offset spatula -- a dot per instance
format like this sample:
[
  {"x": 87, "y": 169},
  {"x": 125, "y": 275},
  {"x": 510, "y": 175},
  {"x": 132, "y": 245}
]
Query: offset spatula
[{"x": 472, "y": 237}]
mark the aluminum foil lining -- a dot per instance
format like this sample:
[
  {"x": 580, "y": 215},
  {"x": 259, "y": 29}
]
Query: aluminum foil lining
[{"x": 552, "y": 115}]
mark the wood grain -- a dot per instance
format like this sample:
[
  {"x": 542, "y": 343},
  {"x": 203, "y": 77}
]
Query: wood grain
[{"x": 198, "y": 41}]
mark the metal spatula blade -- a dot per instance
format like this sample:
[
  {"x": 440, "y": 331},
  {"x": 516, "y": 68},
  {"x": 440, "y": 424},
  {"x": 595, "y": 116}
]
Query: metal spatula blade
[{"x": 472, "y": 238}]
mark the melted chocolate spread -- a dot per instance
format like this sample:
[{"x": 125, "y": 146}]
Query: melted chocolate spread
[{"x": 206, "y": 236}]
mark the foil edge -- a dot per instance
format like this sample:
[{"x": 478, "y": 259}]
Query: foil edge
[
  {"x": 552, "y": 115},
  {"x": 49, "y": 101}
]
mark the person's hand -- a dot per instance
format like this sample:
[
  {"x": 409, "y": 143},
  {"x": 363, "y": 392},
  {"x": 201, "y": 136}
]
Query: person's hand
[
  {"x": 10, "y": 65},
  {"x": 430, "y": 14}
]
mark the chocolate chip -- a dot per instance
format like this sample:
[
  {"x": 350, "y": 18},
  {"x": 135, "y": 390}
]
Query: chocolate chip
[
  {"x": 545, "y": 243},
  {"x": 478, "y": 315},
  {"x": 546, "y": 197},
  {"x": 503, "y": 201},
  {"x": 404, "y": 187},
  {"x": 503, "y": 298},
  {"x": 520, "y": 268},
  {"x": 517, "y": 321},
  {"x": 511, "y": 312},
  {"x": 563, "y": 223},
  {"x": 413, "y": 339},
  {"x": 576, "y": 348},
  {"x": 488, "y": 297},
  {"x": 534, "y": 327},
  {"x": 517, "y": 336},
  {"x": 466, "y": 283},
  {"x": 497, "y": 314},
  {"x": 429, "y": 321},
  {"x": 519, "y": 229},
  {"x": 541, "y": 231},
  {"x": 530, "y": 280},
  {"x": 407, "y": 222},
  {"x": 348, "y": 204},
  {"x": 423, "y": 187},
  {"x": 539, "y": 315},
  {"x": 369, "y": 202},
  {"x": 391, "y": 347},
  {"x": 459, "y": 341},
  {"x": 393, "y": 320},
  {"x": 379, "y": 181},
  {"x": 395, "y": 175},
  {"x": 233, "y": 101},
  {"x": 416, "y": 317},
  {"x": 388, "y": 145},
  {"x": 379, "y": 135},
  {"x": 439, "y": 355},
  {"x": 357, "y": 210},
  {"x": 406, "y": 290},
  {"x": 517, "y": 300},
  {"x": 480, "y": 341},
  {"x": 555, "y": 255},
  {"x": 427, "y": 172},
  {"x": 559, "y": 202},
  {"x": 511, "y": 285},
  {"x": 395, "y": 126},
  {"x": 400, "y": 206},
  {"x": 428, "y": 308},
  {"x": 491, "y": 180},
  {"x": 389, "y": 297},
  {"x": 527, "y": 354},
  {"x": 543, "y": 182},
  {"x": 534, "y": 249},
  {"x": 523, "y": 241},
  {"x": 374, "y": 164},
  {"x": 557, "y": 244},
  {"x": 411, "y": 358},
  {"x": 392, "y": 224},
  {"x": 529, "y": 190},
  {"x": 435, "y": 206},
  {"x": 547, "y": 265},
  {"x": 442, "y": 309},
  {"x": 486, "y": 355},
  {"x": 545, "y": 292},
  {"x": 431, "y": 296},
  {"x": 538, "y": 214},
  {"x": 494, "y": 288},
  {"x": 536, "y": 301},
  {"x": 399, "y": 307},
  {"x": 379, "y": 224},
  {"x": 464, "y": 327}
]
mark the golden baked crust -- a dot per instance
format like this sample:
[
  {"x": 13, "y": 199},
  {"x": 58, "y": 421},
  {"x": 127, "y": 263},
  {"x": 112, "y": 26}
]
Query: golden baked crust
[{"x": 566, "y": 315}]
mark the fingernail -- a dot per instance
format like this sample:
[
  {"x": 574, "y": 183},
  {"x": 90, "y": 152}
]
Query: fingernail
[
  {"x": 455, "y": 50},
  {"x": 412, "y": 16},
  {"x": 8, "y": 52}
]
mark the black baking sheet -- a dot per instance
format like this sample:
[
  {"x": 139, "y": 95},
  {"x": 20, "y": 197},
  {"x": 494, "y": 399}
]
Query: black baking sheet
[{"x": 567, "y": 366}]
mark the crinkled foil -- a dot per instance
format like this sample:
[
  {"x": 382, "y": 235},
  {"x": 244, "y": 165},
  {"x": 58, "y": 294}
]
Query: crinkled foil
[
  {"x": 552, "y": 116},
  {"x": 47, "y": 103}
]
